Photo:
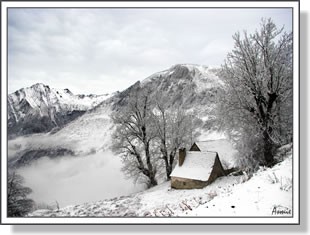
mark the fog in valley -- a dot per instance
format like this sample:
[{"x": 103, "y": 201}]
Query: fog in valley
[{"x": 73, "y": 180}]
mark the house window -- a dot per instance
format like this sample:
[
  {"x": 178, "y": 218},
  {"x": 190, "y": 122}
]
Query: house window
[{"x": 184, "y": 183}]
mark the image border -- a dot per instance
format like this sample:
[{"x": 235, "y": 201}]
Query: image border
[{"x": 293, "y": 219}]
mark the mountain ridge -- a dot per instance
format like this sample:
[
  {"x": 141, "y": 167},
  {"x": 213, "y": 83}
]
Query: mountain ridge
[
  {"x": 39, "y": 108},
  {"x": 182, "y": 87}
]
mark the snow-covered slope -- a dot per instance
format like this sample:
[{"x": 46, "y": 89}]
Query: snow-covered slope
[
  {"x": 201, "y": 74},
  {"x": 186, "y": 86},
  {"x": 90, "y": 132},
  {"x": 87, "y": 134},
  {"x": 267, "y": 193},
  {"x": 181, "y": 84},
  {"x": 40, "y": 108}
]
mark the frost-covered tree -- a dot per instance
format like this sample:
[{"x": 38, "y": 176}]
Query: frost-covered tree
[
  {"x": 255, "y": 106},
  {"x": 18, "y": 203},
  {"x": 133, "y": 138},
  {"x": 174, "y": 128}
]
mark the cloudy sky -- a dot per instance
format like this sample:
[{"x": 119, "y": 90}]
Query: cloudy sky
[{"x": 104, "y": 50}]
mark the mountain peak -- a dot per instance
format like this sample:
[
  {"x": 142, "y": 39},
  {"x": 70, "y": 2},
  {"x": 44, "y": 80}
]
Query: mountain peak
[
  {"x": 189, "y": 66},
  {"x": 39, "y": 85},
  {"x": 183, "y": 71}
]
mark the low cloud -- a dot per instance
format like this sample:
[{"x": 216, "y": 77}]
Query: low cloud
[{"x": 72, "y": 180}]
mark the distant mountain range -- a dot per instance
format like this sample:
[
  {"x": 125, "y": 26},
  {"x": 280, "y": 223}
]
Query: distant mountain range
[
  {"x": 83, "y": 123},
  {"x": 40, "y": 108}
]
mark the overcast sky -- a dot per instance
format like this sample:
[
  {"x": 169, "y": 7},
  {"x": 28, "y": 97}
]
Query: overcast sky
[{"x": 104, "y": 50}]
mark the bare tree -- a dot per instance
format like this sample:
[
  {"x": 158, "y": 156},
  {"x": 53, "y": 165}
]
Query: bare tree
[
  {"x": 133, "y": 138},
  {"x": 255, "y": 105},
  {"x": 18, "y": 203},
  {"x": 174, "y": 128}
]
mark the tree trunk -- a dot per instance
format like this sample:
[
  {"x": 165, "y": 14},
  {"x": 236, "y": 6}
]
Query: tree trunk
[
  {"x": 170, "y": 163},
  {"x": 164, "y": 152},
  {"x": 168, "y": 171},
  {"x": 168, "y": 159},
  {"x": 153, "y": 181},
  {"x": 268, "y": 148}
]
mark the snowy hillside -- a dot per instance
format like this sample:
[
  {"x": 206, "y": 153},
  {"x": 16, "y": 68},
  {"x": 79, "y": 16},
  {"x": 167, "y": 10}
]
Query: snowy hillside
[
  {"x": 92, "y": 131},
  {"x": 40, "y": 108},
  {"x": 89, "y": 136},
  {"x": 201, "y": 74},
  {"x": 267, "y": 193},
  {"x": 186, "y": 86}
]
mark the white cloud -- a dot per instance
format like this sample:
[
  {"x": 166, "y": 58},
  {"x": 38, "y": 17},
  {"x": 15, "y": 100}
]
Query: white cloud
[{"x": 104, "y": 50}]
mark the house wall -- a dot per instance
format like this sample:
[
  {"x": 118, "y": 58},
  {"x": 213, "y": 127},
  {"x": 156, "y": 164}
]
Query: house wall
[
  {"x": 217, "y": 170},
  {"x": 183, "y": 183}
]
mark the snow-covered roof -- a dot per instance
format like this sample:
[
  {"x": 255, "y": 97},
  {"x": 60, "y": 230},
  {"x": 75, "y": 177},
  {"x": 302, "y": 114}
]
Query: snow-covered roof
[{"x": 197, "y": 165}]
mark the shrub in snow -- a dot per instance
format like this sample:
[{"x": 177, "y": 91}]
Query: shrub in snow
[
  {"x": 286, "y": 184},
  {"x": 212, "y": 194},
  {"x": 272, "y": 178}
]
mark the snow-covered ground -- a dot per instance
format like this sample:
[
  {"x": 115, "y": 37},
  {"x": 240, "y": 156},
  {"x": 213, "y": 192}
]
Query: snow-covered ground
[
  {"x": 265, "y": 194},
  {"x": 268, "y": 190}
]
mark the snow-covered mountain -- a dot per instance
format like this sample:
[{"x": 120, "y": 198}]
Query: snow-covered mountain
[
  {"x": 40, "y": 108},
  {"x": 185, "y": 85},
  {"x": 190, "y": 87},
  {"x": 203, "y": 76}
]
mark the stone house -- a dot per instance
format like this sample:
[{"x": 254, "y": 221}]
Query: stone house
[{"x": 196, "y": 168}]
